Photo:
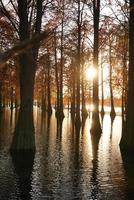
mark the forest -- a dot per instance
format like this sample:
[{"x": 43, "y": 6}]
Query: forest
[{"x": 67, "y": 62}]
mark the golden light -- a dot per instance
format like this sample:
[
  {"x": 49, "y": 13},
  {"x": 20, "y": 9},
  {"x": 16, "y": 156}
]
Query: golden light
[
  {"x": 91, "y": 107},
  {"x": 90, "y": 73}
]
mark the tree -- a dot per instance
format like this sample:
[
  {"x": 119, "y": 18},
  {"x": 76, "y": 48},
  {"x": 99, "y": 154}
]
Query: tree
[
  {"x": 24, "y": 132},
  {"x": 96, "y": 126},
  {"x": 127, "y": 140}
]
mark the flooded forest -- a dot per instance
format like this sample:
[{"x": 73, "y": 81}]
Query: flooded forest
[{"x": 67, "y": 99}]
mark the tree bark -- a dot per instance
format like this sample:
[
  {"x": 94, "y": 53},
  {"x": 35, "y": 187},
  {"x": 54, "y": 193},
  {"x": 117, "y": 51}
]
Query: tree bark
[
  {"x": 24, "y": 138},
  {"x": 112, "y": 112},
  {"x": 60, "y": 114},
  {"x": 96, "y": 126},
  {"x": 127, "y": 140},
  {"x": 49, "y": 107},
  {"x": 78, "y": 120},
  {"x": 102, "y": 93},
  {"x": 24, "y": 132},
  {"x": 56, "y": 75}
]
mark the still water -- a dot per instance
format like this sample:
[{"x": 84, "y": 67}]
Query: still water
[{"x": 67, "y": 164}]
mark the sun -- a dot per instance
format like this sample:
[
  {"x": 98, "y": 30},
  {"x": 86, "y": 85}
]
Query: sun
[{"x": 90, "y": 73}]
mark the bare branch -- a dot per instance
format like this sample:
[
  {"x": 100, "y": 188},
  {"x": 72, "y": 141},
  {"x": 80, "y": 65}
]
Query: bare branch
[{"x": 23, "y": 46}]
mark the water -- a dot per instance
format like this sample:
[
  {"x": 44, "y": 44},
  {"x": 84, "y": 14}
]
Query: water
[{"x": 67, "y": 165}]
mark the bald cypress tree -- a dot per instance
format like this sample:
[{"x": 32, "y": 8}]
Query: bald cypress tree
[
  {"x": 127, "y": 140},
  {"x": 24, "y": 132},
  {"x": 96, "y": 127}
]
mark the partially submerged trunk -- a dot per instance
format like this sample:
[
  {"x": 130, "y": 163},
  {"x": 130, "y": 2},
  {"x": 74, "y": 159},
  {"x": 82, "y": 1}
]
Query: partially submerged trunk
[
  {"x": 56, "y": 77},
  {"x": 77, "y": 117},
  {"x": 24, "y": 138},
  {"x": 127, "y": 140},
  {"x": 96, "y": 126},
  {"x": 24, "y": 132},
  {"x": 11, "y": 98},
  {"x": 112, "y": 112}
]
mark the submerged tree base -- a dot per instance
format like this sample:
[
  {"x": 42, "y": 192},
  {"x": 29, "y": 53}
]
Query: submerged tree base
[
  {"x": 84, "y": 114},
  {"x": 24, "y": 134},
  {"x": 112, "y": 114},
  {"x": 23, "y": 141},
  {"x": 102, "y": 113},
  {"x": 126, "y": 149},
  {"x": 96, "y": 126},
  {"x": 127, "y": 139},
  {"x": 77, "y": 120},
  {"x": 59, "y": 115}
]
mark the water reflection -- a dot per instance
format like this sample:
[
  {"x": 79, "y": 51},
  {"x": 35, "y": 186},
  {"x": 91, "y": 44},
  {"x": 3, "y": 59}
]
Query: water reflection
[
  {"x": 69, "y": 163},
  {"x": 95, "y": 138},
  {"x": 23, "y": 164}
]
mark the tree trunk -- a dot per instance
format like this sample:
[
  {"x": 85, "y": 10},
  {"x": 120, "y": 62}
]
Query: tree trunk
[
  {"x": 61, "y": 113},
  {"x": 56, "y": 77},
  {"x": 24, "y": 132},
  {"x": 96, "y": 126},
  {"x": 127, "y": 140},
  {"x": 11, "y": 98},
  {"x": 112, "y": 112},
  {"x": 78, "y": 120},
  {"x": 73, "y": 91},
  {"x": 84, "y": 110},
  {"x": 102, "y": 93},
  {"x": 0, "y": 97},
  {"x": 24, "y": 139},
  {"x": 49, "y": 107},
  {"x": 43, "y": 94}
]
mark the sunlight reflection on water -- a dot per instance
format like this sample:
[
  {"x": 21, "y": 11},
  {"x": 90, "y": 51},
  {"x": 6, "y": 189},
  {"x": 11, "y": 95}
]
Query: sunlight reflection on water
[{"x": 67, "y": 165}]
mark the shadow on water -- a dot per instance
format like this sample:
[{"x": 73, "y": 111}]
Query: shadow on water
[{"x": 23, "y": 165}]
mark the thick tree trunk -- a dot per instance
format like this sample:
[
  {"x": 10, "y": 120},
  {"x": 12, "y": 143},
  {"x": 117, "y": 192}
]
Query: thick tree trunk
[
  {"x": 24, "y": 139},
  {"x": 96, "y": 126},
  {"x": 127, "y": 140},
  {"x": 24, "y": 132}
]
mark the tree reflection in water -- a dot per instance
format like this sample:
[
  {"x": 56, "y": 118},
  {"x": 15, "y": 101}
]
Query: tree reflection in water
[
  {"x": 23, "y": 164},
  {"x": 95, "y": 138},
  {"x": 70, "y": 163}
]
